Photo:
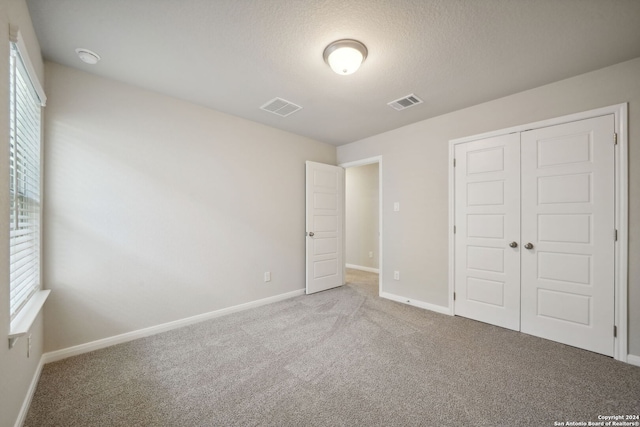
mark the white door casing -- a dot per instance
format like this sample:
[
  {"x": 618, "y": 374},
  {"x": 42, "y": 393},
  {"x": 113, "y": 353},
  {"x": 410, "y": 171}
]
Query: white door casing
[
  {"x": 487, "y": 212},
  {"x": 568, "y": 216},
  {"x": 325, "y": 227}
]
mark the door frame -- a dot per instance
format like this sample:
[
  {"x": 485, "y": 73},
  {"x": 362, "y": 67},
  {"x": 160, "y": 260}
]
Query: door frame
[
  {"x": 364, "y": 162},
  {"x": 619, "y": 111}
]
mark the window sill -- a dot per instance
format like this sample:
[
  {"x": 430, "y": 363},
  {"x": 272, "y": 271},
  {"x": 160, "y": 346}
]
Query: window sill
[{"x": 24, "y": 320}]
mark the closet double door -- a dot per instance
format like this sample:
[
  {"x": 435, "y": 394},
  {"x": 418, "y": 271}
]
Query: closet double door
[{"x": 535, "y": 223}]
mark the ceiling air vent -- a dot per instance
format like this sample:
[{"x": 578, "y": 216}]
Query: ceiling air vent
[
  {"x": 281, "y": 107},
  {"x": 405, "y": 102}
]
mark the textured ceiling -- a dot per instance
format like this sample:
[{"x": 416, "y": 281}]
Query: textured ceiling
[{"x": 235, "y": 55}]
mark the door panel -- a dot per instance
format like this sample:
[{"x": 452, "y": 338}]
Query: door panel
[
  {"x": 565, "y": 228},
  {"x": 324, "y": 223},
  {"x": 485, "y": 226},
  {"x": 485, "y": 193},
  {"x": 564, "y": 307},
  {"x": 487, "y": 186},
  {"x": 563, "y": 189},
  {"x": 568, "y": 217}
]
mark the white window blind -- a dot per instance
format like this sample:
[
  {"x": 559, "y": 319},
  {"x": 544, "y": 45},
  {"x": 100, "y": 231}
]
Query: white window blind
[{"x": 24, "y": 169}]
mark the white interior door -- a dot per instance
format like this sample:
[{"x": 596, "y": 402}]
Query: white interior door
[
  {"x": 325, "y": 226},
  {"x": 487, "y": 219},
  {"x": 568, "y": 219}
]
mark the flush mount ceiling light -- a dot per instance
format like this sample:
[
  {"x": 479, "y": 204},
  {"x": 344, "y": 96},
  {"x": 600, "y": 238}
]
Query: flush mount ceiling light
[
  {"x": 345, "y": 56},
  {"x": 87, "y": 56}
]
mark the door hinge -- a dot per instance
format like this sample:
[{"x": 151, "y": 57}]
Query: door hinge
[
  {"x": 615, "y": 331},
  {"x": 454, "y": 229},
  {"x": 454, "y": 296},
  {"x": 454, "y": 163},
  {"x": 615, "y": 235},
  {"x": 615, "y": 138}
]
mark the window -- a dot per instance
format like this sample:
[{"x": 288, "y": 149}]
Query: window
[{"x": 24, "y": 188}]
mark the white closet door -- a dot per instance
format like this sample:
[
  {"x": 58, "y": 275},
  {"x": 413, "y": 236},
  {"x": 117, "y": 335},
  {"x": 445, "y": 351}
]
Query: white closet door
[
  {"x": 568, "y": 218},
  {"x": 487, "y": 203}
]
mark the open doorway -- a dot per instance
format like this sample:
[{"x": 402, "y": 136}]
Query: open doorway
[{"x": 363, "y": 220}]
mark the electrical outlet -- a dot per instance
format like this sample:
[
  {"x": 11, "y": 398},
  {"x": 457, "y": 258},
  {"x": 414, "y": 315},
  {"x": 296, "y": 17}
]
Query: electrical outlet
[
  {"x": 267, "y": 276},
  {"x": 396, "y": 275},
  {"x": 370, "y": 254}
]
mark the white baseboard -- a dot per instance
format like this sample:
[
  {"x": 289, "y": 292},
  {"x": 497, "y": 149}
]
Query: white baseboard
[
  {"x": 56, "y": 355},
  {"x": 24, "y": 409},
  {"x": 633, "y": 359},
  {"x": 362, "y": 268},
  {"x": 420, "y": 304}
]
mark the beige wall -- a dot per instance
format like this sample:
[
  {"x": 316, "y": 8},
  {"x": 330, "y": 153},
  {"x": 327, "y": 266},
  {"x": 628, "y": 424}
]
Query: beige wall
[
  {"x": 415, "y": 240},
  {"x": 16, "y": 370},
  {"x": 158, "y": 210},
  {"x": 362, "y": 211}
]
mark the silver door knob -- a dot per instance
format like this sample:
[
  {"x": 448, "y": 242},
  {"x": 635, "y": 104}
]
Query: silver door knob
[
  {"x": 311, "y": 234},
  {"x": 513, "y": 244},
  {"x": 528, "y": 246}
]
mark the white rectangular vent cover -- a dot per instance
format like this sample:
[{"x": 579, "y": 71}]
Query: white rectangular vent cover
[
  {"x": 281, "y": 107},
  {"x": 405, "y": 102}
]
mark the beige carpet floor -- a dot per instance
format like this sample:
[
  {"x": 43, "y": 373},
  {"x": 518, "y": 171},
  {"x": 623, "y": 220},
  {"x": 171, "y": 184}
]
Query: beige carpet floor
[{"x": 342, "y": 357}]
